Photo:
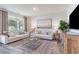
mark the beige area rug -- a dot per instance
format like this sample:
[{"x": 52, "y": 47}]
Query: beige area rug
[{"x": 32, "y": 47}]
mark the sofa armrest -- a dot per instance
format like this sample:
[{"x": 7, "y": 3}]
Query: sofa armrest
[{"x": 3, "y": 38}]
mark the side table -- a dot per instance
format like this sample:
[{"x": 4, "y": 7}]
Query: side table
[{"x": 56, "y": 36}]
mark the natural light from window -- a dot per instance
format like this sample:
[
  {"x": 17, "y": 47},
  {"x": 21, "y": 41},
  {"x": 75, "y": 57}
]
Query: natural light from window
[{"x": 15, "y": 24}]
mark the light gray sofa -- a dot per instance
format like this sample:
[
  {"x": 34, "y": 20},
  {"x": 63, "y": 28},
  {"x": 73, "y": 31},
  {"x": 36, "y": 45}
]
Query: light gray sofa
[
  {"x": 5, "y": 39},
  {"x": 44, "y": 34}
]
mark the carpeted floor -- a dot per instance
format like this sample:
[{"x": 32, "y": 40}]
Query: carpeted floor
[{"x": 31, "y": 47}]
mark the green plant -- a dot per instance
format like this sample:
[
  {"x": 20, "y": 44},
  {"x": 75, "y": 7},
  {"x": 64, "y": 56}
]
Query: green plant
[{"x": 63, "y": 25}]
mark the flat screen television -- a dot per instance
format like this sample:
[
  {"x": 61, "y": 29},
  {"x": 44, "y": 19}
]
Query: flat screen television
[{"x": 74, "y": 19}]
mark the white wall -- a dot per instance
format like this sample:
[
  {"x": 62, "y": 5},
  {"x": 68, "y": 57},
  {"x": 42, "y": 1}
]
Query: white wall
[{"x": 55, "y": 19}]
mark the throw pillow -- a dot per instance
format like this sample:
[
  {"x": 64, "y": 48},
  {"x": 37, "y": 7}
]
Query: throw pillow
[
  {"x": 6, "y": 34},
  {"x": 11, "y": 34}
]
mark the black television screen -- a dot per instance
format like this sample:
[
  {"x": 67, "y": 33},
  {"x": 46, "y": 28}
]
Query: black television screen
[{"x": 74, "y": 19}]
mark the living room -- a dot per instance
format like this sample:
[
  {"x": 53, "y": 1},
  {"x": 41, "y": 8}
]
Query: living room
[{"x": 37, "y": 23}]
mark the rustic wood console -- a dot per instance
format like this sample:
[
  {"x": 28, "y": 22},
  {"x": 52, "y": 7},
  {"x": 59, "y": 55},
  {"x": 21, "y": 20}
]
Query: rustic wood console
[{"x": 71, "y": 44}]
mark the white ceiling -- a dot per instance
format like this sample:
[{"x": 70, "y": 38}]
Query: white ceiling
[{"x": 41, "y": 9}]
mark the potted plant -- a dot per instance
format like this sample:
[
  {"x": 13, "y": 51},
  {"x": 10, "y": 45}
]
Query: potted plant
[{"x": 63, "y": 26}]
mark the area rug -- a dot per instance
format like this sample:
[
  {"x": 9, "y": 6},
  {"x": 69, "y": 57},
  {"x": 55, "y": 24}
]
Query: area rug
[
  {"x": 31, "y": 47},
  {"x": 32, "y": 44}
]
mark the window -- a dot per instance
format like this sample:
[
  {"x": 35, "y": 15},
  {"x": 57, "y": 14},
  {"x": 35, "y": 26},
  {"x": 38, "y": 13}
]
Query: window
[
  {"x": 15, "y": 24},
  {"x": 21, "y": 25},
  {"x": 12, "y": 24}
]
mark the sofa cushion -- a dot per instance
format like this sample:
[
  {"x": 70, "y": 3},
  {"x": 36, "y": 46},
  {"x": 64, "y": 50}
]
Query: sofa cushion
[
  {"x": 11, "y": 34},
  {"x": 44, "y": 36},
  {"x": 18, "y": 37}
]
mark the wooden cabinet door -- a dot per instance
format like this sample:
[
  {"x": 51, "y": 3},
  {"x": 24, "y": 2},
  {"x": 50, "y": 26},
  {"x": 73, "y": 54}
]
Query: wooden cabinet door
[
  {"x": 69, "y": 46},
  {"x": 75, "y": 45}
]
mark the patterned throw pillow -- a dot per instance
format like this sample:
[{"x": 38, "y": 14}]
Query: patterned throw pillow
[
  {"x": 6, "y": 34},
  {"x": 11, "y": 34}
]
